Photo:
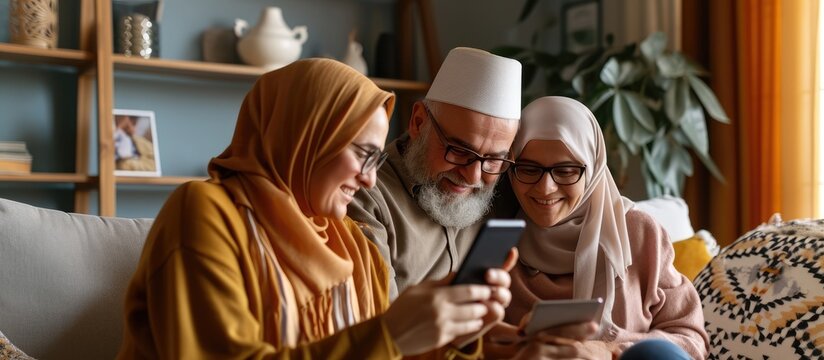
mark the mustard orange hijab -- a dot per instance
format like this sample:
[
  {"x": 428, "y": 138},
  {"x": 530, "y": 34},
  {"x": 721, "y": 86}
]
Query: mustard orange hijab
[{"x": 291, "y": 124}]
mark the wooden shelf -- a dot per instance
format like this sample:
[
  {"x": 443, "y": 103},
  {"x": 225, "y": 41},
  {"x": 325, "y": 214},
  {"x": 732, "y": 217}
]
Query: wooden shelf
[
  {"x": 47, "y": 178},
  {"x": 163, "y": 180},
  {"x": 401, "y": 85},
  {"x": 187, "y": 68},
  {"x": 29, "y": 54},
  {"x": 217, "y": 71},
  {"x": 96, "y": 65}
]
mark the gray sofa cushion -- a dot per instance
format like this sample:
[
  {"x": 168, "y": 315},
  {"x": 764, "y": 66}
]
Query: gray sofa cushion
[{"x": 63, "y": 278}]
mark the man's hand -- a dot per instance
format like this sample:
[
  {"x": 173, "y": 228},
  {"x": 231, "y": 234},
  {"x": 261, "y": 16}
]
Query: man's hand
[{"x": 499, "y": 281}]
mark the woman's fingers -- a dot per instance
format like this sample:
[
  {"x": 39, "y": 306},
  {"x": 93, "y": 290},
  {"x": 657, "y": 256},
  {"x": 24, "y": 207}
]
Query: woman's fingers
[
  {"x": 576, "y": 332},
  {"x": 466, "y": 293},
  {"x": 472, "y": 311},
  {"x": 539, "y": 350},
  {"x": 458, "y": 328}
]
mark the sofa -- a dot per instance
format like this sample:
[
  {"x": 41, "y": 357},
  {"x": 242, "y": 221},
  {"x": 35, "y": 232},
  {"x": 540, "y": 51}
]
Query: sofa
[{"x": 63, "y": 277}]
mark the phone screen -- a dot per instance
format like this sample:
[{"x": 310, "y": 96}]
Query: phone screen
[{"x": 489, "y": 250}]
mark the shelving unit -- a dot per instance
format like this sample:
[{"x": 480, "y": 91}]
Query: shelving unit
[{"x": 96, "y": 64}]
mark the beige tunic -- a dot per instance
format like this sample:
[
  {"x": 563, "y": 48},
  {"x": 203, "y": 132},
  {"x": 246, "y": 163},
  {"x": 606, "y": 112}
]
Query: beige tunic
[{"x": 415, "y": 246}]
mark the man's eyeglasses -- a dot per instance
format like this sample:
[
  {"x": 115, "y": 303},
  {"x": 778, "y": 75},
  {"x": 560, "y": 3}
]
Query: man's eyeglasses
[
  {"x": 561, "y": 175},
  {"x": 459, "y": 155},
  {"x": 373, "y": 158}
]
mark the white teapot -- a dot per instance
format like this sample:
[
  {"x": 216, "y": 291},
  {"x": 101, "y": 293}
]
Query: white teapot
[
  {"x": 354, "y": 55},
  {"x": 270, "y": 44}
]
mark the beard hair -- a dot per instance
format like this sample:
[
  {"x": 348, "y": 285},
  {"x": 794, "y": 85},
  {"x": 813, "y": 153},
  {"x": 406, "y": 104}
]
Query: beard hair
[{"x": 447, "y": 209}]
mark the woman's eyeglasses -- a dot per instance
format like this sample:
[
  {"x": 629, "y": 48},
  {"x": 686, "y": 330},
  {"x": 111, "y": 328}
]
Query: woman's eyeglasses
[
  {"x": 561, "y": 175},
  {"x": 373, "y": 158},
  {"x": 459, "y": 155}
]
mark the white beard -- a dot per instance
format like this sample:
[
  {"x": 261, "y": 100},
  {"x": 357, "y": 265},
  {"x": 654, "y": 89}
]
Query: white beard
[{"x": 445, "y": 208}]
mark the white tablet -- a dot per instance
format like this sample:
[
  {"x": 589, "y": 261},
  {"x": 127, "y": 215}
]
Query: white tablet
[{"x": 551, "y": 313}]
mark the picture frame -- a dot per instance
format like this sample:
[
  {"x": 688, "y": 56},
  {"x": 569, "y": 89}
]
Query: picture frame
[
  {"x": 135, "y": 143},
  {"x": 581, "y": 26}
]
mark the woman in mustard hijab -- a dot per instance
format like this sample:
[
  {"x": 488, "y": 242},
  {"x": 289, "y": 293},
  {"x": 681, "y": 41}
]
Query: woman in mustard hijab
[{"x": 261, "y": 261}]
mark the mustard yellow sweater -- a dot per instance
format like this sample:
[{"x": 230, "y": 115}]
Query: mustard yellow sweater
[{"x": 195, "y": 294}]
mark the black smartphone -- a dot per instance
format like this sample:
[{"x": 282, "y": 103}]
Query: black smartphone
[{"x": 489, "y": 250}]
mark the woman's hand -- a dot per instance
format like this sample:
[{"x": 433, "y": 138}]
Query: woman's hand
[
  {"x": 594, "y": 349},
  {"x": 433, "y": 313},
  {"x": 503, "y": 341},
  {"x": 564, "y": 342}
]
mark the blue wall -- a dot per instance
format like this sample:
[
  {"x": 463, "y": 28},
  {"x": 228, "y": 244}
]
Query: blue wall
[{"x": 195, "y": 118}]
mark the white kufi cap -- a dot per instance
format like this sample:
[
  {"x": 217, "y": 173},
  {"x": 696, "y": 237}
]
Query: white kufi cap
[{"x": 479, "y": 81}]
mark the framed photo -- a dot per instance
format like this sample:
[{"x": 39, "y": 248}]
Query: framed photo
[
  {"x": 135, "y": 143},
  {"x": 581, "y": 26}
]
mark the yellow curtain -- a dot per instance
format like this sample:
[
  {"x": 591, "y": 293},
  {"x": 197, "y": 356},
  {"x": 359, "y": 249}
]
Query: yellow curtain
[
  {"x": 799, "y": 108},
  {"x": 762, "y": 55}
]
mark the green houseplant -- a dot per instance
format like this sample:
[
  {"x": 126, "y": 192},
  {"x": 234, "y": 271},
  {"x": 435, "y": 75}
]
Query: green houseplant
[{"x": 650, "y": 103}]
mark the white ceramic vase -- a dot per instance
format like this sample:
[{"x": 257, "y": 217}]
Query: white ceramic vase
[
  {"x": 271, "y": 43},
  {"x": 354, "y": 57}
]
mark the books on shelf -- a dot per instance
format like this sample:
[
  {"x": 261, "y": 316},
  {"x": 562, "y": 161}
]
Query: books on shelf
[{"x": 14, "y": 158}]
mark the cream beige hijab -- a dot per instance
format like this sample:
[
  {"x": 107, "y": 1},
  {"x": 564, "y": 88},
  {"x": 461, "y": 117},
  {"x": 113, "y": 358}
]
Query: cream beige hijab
[{"x": 592, "y": 242}]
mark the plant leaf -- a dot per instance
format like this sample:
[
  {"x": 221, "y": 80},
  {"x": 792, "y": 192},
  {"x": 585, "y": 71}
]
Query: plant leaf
[
  {"x": 528, "y": 7},
  {"x": 630, "y": 72},
  {"x": 650, "y": 183},
  {"x": 707, "y": 161},
  {"x": 618, "y": 74},
  {"x": 672, "y": 65},
  {"x": 694, "y": 68},
  {"x": 610, "y": 72},
  {"x": 640, "y": 111},
  {"x": 665, "y": 163},
  {"x": 641, "y": 136},
  {"x": 679, "y": 136},
  {"x": 600, "y": 99},
  {"x": 676, "y": 99},
  {"x": 657, "y": 156},
  {"x": 578, "y": 83},
  {"x": 695, "y": 127},
  {"x": 653, "y": 46},
  {"x": 622, "y": 117},
  {"x": 682, "y": 157},
  {"x": 708, "y": 99}
]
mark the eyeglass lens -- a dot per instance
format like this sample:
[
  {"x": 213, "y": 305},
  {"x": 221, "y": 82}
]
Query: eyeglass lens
[
  {"x": 561, "y": 175},
  {"x": 462, "y": 156}
]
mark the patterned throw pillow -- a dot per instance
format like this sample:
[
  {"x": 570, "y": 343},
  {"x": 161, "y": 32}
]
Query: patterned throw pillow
[
  {"x": 763, "y": 295},
  {"x": 10, "y": 352}
]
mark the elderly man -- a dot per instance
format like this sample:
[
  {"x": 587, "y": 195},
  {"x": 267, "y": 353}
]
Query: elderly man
[{"x": 440, "y": 176}]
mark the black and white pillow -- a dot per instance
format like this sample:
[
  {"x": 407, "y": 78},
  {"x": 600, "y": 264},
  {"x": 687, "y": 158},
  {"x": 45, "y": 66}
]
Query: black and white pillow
[
  {"x": 10, "y": 352},
  {"x": 763, "y": 295}
]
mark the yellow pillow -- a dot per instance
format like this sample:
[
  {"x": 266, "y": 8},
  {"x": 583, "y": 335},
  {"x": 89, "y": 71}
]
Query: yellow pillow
[{"x": 691, "y": 256}]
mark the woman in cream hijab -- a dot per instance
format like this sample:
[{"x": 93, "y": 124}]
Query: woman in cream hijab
[
  {"x": 261, "y": 261},
  {"x": 584, "y": 241}
]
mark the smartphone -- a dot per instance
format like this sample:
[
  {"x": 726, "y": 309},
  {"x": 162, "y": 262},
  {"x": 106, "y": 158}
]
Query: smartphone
[
  {"x": 489, "y": 249},
  {"x": 551, "y": 313}
]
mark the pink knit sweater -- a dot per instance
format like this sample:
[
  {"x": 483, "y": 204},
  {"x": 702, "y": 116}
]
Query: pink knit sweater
[{"x": 654, "y": 301}]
